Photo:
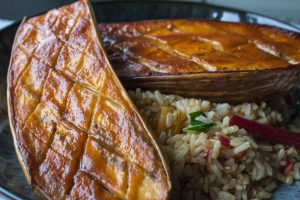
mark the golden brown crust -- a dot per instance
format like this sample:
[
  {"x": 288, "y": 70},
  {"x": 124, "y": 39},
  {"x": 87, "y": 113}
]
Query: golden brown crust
[
  {"x": 76, "y": 132},
  {"x": 153, "y": 44},
  {"x": 174, "y": 55}
]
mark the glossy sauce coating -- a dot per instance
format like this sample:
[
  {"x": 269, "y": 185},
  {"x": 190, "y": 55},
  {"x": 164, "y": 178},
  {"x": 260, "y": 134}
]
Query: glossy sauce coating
[
  {"x": 77, "y": 134},
  {"x": 163, "y": 47}
]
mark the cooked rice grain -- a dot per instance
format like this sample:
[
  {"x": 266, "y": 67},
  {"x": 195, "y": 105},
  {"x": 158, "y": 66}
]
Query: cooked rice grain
[{"x": 200, "y": 166}]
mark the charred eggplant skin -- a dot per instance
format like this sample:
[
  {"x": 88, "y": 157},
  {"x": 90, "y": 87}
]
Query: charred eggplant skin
[
  {"x": 220, "y": 61},
  {"x": 76, "y": 132},
  {"x": 234, "y": 87}
]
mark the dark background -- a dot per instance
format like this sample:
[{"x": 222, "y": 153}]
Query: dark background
[
  {"x": 16, "y": 9},
  {"x": 286, "y": 10}
]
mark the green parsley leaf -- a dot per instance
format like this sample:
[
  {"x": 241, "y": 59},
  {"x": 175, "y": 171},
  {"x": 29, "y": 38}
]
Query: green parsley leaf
[
  {"x": 296, "y": 159},
  {"x": 198, "y": 125},
  {"x": 196, "y": 114}
]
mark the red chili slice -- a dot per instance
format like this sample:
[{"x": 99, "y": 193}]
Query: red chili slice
[
  {"x": 267, "y": 132},
  {"x": 224, "y": 141},
  {"x": 287, "y": 167}
]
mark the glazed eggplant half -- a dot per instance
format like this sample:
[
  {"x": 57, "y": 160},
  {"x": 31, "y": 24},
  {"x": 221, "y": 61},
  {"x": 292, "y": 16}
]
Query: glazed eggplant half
[
  {"x": 220, "y": 61},
  {"x": 76, "y": 132}
]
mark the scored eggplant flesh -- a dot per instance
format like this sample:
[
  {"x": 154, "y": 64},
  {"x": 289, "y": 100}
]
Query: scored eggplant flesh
[
  {"x": 76, "y": 132},
  {"x": 220, "y": 61}
]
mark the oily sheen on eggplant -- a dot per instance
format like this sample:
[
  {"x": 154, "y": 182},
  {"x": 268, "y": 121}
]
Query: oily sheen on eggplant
[
  {"x": 221, "y": 61},
  {"x": 76, "y": 132}
]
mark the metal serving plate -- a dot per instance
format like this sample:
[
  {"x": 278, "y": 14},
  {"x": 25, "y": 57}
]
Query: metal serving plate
[{"x": 12, "y": 181}]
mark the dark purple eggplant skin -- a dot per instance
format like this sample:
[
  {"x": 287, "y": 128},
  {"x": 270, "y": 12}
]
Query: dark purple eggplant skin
[
  {"x": 131, "y": 48},
  {"x": 233, "y": 87}
]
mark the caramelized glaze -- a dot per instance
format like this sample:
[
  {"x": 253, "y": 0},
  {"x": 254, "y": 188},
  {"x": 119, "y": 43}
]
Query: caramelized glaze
[
  {"x": 138, "y": 49},
  {"x": 76, "y": 132}
]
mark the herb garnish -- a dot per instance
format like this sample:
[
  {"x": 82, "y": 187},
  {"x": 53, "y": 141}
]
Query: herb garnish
[
  {"x": 199, "y": 122},
  {"x": 296, "y": 159}
]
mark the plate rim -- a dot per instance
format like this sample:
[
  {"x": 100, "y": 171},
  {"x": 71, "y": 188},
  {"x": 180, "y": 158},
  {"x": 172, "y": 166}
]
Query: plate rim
[
  {"x": 231, "y": 9},
  {"x": 200, "y": 3},
  {"x": 293, "y": 28}
]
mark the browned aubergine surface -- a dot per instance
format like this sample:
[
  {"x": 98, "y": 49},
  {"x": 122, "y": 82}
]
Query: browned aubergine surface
[
  {"x": 76, "y": 132},
  {"x": 187, "y": 46},
  {"x": 197, "y": 57}
]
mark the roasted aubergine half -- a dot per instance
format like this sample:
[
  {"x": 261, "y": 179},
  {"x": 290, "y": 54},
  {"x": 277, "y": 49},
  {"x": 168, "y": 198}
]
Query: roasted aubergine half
[
  {"x": 234, "y": 62},
  {"x": 76, "y": 132}
]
